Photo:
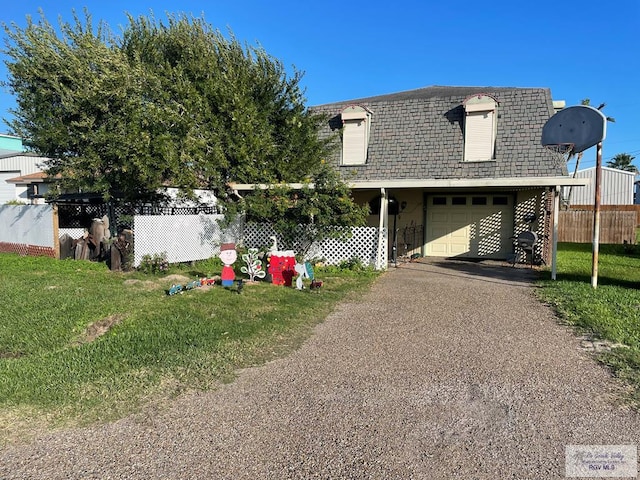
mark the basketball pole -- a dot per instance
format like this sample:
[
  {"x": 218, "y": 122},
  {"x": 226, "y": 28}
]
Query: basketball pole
[
  {"x": 554, "y": 248},
  {"x": 596, "y": 217}
]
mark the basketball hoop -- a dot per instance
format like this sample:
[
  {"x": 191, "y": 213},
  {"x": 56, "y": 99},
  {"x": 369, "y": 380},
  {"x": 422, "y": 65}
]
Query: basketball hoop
[{"x": 561, "y": 152}]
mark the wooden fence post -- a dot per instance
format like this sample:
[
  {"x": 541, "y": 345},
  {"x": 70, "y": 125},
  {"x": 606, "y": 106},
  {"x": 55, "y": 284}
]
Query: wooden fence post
[{"x": 56, "y": 234}]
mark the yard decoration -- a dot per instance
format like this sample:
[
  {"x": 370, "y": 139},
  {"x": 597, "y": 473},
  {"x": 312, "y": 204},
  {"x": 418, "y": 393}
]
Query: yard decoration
[
  {"x": 281, "y": 267},
  {"x": 197, "y": 283},
  {"x": 274, "y": 244},
  {"x": 228, "y": 255},
  {"x": 121, "y": 251},
  {"x": 301, "y": 270},
  {"x": 254, "y": 265},
  {"x": 315, "y": 284}
]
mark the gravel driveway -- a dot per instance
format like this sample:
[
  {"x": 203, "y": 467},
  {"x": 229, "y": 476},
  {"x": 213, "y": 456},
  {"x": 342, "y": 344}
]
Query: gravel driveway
[{"x": 444, "y": 370}]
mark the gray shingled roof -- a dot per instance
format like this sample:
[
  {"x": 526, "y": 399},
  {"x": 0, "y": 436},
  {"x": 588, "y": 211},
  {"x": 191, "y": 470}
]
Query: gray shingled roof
[{"x": 418, "y": 134}]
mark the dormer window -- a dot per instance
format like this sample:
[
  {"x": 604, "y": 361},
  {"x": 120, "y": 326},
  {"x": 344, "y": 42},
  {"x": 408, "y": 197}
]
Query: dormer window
[
  {"x": 480, "y": 127},
  {"x": 356, "y": 124}
]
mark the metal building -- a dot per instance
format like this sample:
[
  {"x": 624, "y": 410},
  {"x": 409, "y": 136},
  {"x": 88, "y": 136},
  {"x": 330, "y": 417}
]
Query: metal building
[{"x": 617, "y": 187}]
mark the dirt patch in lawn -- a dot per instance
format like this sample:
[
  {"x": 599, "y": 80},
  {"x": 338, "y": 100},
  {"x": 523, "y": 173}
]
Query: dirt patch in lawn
[
  {"x": 144, "y": 284},
  {"x": 10, "y": 354},
  {"x": 177, "y": 279},
  {"x": 99, "y": 328}
]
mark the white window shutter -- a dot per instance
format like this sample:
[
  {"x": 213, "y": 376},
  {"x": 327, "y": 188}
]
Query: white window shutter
[
  {"x": 354, "y": 142},
  {"x": 479, "y": 135}
]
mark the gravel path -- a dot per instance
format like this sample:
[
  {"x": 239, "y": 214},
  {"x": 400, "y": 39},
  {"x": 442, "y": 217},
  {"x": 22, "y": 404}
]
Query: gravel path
[{"x": 444, "y": 370}]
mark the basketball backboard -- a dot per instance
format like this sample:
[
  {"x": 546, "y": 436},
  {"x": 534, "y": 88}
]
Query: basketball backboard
[{"x": 581, "y": 125}]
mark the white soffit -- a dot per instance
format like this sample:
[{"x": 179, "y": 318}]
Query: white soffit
[
  {"x": 515, "y": 182},
  {"x": 512, "y": 182}
]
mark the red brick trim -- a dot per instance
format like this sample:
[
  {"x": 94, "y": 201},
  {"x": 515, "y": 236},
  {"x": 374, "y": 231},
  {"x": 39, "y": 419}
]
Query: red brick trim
[{"x": 27, "y": 250}]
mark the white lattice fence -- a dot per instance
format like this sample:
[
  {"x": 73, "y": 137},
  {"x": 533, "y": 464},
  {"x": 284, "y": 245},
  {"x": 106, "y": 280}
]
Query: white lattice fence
[
  {"x": 184, "y": 238},
  {"x": 362, "y": 244},
  {"x": 74, "y": 233}
]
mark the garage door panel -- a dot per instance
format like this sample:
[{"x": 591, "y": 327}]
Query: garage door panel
[
  {"x": 459, "y": 250},
  {"x": 461, "y": 233},
  {"x": 439, "y": 249},
  {"x": 473, "y": 231},
  {"x": 490, "y": 245},
  {"x": 491, "y": 223},
  {"x": 440, "y": 231},
  {"x": 459, "y": 218},
  {"x": 442, "y": 217}
]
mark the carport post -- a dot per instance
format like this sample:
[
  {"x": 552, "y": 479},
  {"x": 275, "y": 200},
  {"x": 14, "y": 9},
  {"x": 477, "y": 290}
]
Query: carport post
[
  {"x": 554, "y": 244},
  {"x": 383, "y": 223}
]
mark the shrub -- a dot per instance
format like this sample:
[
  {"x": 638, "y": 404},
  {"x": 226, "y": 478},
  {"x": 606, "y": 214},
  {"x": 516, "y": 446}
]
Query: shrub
[{"x": 156, "y": 263}]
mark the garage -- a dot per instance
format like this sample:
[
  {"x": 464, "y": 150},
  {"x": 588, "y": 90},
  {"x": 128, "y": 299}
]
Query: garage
[{"x": 469, "y": 226}]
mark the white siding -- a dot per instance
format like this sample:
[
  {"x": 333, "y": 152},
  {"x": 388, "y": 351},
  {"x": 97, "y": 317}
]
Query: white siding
[
  {"x": 25, "y": 164},
  {"x": 617, "y": 187},
  {"x": 7, "y": 190}
]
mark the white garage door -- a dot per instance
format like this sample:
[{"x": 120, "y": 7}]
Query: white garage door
[
  {"x": 469, "y": 226},
  {"x": 7, "y": 190}
]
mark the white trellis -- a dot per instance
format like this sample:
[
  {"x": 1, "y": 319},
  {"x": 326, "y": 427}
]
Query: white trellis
[
  {"x": 185, "y": 238},
  {"x": 362, "y": 243}
]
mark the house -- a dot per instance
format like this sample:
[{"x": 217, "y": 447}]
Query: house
[
  {"x": 15, "y": 163},
  {"x": 451, "y": 171},
  {"x": 33, "y": 187},
  {"x": 617, "y": 187},
  {"x": 22, "y": 179},
  {"x": 20, "y": 172}
]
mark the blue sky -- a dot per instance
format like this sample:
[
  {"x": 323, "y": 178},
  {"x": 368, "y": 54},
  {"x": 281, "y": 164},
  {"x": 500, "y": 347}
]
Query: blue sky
[{"x": 578, "y": 49}]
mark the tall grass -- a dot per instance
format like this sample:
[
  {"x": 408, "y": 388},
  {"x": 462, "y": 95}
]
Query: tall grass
[{"x": 157, "y": 346}]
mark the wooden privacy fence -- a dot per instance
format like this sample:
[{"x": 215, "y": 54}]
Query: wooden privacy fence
[
  {"x": 617, "y": 208},
  {"x": 576, "y": 226}
]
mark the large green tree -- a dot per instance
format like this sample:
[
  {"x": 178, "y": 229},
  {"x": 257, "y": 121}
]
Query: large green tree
[
  {"x": 175, "y": 103},
  {"x": 623, "y": 161},
  {"x": 302, "y": 216}
]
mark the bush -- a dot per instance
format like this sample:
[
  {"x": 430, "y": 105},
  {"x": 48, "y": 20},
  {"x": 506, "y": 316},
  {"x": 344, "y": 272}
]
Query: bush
[
  {"x": 353, "y": 265},
  {"x": 152, "y": 264}
]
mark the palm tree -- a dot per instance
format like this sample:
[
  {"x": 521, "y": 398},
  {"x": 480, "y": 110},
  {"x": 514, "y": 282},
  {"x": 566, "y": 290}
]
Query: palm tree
[
  {"x": 623, "y": 161},
  {"x": 587, "y": 102}
]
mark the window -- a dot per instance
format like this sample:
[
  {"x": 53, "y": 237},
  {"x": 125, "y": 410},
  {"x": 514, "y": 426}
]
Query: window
[
  {"x": 439, "y": 201},
  {"x": 478, "y": 200},
  {"x": 459, "y": 201},
  {"x": 356, "y": 124},
  {"x": 479, "y": 127},
  {"x": 501, "y": 200}
]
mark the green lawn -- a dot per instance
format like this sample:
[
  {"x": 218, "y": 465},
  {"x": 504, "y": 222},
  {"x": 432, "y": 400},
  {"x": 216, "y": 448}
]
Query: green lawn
[
  {"x": 54, "y": 372},
  {"x": 611, "y": 311}
]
